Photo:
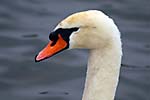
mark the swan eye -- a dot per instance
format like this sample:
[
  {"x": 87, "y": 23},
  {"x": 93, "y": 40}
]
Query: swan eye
[{"x": 64, "y": 32}]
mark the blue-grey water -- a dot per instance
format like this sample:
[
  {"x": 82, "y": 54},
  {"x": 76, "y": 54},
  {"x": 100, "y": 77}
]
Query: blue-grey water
[{"x": 24, "y": 29}]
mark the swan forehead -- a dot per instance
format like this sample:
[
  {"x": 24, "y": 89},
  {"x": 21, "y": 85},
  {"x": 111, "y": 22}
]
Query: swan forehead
[{"x": 81, "y": 19}]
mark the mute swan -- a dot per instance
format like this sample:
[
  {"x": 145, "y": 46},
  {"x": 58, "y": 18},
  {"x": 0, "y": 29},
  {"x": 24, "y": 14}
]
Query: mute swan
[{"x": 97, "y": 32}]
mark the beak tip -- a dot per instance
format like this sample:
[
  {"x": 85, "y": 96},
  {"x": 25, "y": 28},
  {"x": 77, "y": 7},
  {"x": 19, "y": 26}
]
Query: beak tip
[
  {"x": 39, "y": 58},
  {"x": 36, "y": 59}
]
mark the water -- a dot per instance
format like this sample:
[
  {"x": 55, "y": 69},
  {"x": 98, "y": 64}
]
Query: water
[{"x": 24, "y": 29}]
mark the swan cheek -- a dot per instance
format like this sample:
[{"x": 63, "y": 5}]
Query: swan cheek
[
  {"x": 75, "y": 41},
  {"x": 72, "y": 43}
]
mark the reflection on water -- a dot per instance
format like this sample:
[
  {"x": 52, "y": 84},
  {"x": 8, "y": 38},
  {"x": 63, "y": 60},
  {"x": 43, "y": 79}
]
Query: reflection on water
[{"x": 24, "y": 29}]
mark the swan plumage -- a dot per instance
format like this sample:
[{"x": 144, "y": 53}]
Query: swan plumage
[{"x": 97, "y": 32}]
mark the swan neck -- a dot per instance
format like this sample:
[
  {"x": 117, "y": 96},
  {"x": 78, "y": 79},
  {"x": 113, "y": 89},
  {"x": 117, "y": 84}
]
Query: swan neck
[{"x": 102, "y": 73}]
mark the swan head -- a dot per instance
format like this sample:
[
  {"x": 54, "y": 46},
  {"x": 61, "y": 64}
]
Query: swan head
[{"x": 88, "y": 29}]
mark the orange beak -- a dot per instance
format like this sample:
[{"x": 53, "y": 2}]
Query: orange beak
[{"x": 49, "y": 50}]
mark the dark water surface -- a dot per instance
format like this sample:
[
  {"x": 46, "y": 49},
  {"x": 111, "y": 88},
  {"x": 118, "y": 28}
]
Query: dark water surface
[{"x": 24, "y": 29}]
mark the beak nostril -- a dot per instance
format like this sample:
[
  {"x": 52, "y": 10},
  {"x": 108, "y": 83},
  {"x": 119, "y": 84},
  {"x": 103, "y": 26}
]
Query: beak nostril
[{"x": 53, "y": 43}]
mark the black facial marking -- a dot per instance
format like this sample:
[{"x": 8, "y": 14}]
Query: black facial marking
[
  {"x": 64, "y": 32},
  {"x": 53, "y": 37}
]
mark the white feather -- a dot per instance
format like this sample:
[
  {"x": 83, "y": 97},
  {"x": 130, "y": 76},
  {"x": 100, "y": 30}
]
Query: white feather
[{"x": 98, "y": 33}]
